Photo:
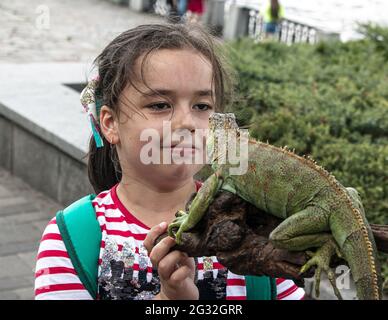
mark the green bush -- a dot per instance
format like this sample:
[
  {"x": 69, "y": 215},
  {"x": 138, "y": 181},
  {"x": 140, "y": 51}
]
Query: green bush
[{"x": 328, "y": 100}]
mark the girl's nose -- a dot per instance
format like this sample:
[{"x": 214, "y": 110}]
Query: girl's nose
[{"x": 183, "y": 118}]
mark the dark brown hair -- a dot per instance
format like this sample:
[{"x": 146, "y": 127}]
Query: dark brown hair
[{"x": 115, "y": 69}]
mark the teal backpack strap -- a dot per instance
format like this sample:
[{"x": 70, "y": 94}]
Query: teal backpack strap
[
  {"x": 81, "y": 235},
  {"x": 260, "y": 288}
]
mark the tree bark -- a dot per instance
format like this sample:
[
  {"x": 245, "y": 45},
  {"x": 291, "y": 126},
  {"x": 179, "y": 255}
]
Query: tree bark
[{"x": 380, "y": 232}]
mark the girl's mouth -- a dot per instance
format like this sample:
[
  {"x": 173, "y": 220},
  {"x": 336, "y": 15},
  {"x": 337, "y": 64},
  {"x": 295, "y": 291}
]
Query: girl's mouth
[{"x": 181, "y": 148}]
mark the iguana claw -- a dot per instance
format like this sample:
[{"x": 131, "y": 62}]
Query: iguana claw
[
  {"x": 178, "y": 223},
  {"x": 321, "y": 258},
  {"x": 180, "y": 213}
]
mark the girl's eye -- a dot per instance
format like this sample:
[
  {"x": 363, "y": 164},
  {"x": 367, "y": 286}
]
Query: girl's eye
[
  {"x": 202, "y": 107},
  {"x": 159, "y": 107}
]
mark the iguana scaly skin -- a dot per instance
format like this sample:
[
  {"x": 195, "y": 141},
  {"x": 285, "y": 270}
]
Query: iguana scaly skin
[{"x": 318, "y": 211}]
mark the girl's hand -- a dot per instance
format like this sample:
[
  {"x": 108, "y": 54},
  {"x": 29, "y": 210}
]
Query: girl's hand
[{"x": 176, "y": 270}]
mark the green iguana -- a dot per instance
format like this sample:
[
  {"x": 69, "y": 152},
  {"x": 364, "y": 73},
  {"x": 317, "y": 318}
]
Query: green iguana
[{"x": 318, "y": 211}]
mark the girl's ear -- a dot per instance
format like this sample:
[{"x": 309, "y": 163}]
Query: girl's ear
[{"x": 109, "y": 125}]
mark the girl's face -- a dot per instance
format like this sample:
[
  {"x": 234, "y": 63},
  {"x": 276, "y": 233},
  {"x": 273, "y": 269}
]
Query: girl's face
[{"x": 184, "y": 77}]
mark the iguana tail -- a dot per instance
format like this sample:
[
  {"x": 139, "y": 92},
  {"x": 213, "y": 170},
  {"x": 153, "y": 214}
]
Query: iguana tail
[{"x": 359, "y": 249}]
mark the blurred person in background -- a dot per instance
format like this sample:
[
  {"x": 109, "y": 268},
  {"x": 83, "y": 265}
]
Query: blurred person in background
[
  {"x": 173, "y": 14},
  {"x": 272, "y": 13},
  {"x": 182, "y": 7},
  {"x": 195, "y": 10}
]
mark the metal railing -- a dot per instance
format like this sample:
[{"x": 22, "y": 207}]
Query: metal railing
[
  {"x": 288, "y": 31},
  {"x": 250, "y": 22}
]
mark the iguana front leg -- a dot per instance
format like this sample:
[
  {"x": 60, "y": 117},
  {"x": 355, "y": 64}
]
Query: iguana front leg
[{"x": 198, "y": 207}]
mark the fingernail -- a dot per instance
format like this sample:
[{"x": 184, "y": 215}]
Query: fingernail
[{"x": 162, "y": 224}]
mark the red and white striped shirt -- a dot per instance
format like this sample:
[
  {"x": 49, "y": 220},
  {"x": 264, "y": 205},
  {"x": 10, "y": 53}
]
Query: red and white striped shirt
[{"x": 125, "y": 270}]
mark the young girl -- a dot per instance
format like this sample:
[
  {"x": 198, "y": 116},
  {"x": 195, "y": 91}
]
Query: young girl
[{"x": 147, "y": 76}]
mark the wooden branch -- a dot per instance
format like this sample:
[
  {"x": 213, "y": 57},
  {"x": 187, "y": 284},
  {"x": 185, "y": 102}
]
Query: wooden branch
[
  {"x": 237, "y": 233},
  {"x": 380, "y": 232}
]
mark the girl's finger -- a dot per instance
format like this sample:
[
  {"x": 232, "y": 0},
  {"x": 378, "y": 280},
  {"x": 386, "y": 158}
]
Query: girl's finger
[
  {"x": 170, "y": 263},
  {"x": 152, "y": 235},
  {"x": 181, "y": 273},
  {"x": 159, "y": 251}
]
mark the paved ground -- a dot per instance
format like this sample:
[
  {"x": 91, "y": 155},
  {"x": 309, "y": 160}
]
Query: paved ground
[
  {"x": 24, "y": 213},
  {"x": 62, "y": 30}
]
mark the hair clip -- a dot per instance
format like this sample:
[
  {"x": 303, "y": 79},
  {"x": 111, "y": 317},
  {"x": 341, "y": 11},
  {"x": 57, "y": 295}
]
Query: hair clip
[{"x": 88, "y": 101}]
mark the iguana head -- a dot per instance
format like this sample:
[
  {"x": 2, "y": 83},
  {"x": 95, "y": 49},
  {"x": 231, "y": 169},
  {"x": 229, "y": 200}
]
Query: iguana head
[{"x": 219, "y": 126}]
